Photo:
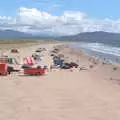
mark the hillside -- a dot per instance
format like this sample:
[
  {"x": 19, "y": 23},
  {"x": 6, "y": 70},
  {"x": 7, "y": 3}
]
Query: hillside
[
  {"x": 101, "y": 37},
  {"x": 12, "y": 34}
]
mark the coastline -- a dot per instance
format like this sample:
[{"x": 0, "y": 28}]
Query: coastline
[
  {"x": 96, "y": 66},
  {"x": 103, "y": 59}
]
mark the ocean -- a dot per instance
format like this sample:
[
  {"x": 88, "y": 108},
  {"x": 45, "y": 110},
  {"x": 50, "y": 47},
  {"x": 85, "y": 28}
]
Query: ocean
[{"x": 109, "y": 52}]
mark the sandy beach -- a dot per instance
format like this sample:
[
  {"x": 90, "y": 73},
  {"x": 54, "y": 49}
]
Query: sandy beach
[{"x": 91, "y": 94}]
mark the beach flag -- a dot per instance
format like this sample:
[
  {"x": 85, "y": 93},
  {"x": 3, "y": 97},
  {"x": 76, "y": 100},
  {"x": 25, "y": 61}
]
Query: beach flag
[{"x": 29, "y": 61}]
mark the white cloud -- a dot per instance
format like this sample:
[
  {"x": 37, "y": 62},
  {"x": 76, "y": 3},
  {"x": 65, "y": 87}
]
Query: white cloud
[{"x": 70, "y": 22}]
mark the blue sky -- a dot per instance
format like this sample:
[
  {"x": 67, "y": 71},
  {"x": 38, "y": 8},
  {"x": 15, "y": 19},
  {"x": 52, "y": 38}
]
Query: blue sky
[
  {"x": 94, "y": 8},
  {"x": 60, "y": 17}
]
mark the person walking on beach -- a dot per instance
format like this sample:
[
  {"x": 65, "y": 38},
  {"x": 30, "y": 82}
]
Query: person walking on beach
[{"x": 50, "y": 68}]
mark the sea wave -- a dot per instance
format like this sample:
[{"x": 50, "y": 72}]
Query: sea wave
[{"x": 102, "y": 48}]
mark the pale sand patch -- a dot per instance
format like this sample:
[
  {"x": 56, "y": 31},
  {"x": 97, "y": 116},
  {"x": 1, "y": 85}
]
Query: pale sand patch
[{"x": 60, "y": 95}]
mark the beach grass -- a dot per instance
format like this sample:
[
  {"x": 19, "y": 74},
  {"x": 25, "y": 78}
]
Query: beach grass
[
  {"x": 18, "y": 43},
  {"x": 23, "y": 41}
]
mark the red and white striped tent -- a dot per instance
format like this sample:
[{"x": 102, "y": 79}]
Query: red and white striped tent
[{"x": 29, "y": 61}]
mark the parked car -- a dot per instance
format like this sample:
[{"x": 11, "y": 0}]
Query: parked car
[{"x": 14, "y": 50}]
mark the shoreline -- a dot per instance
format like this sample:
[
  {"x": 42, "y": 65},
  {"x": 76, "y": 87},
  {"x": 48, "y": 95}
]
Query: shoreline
[
  {"x": 95, "y": 65},
  {"x": 103, "y": 60}
]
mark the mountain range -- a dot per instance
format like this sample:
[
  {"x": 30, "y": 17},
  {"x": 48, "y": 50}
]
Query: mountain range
[
  {"x": 98, "y": 36},
  {"x": 12, "y": 34}
]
